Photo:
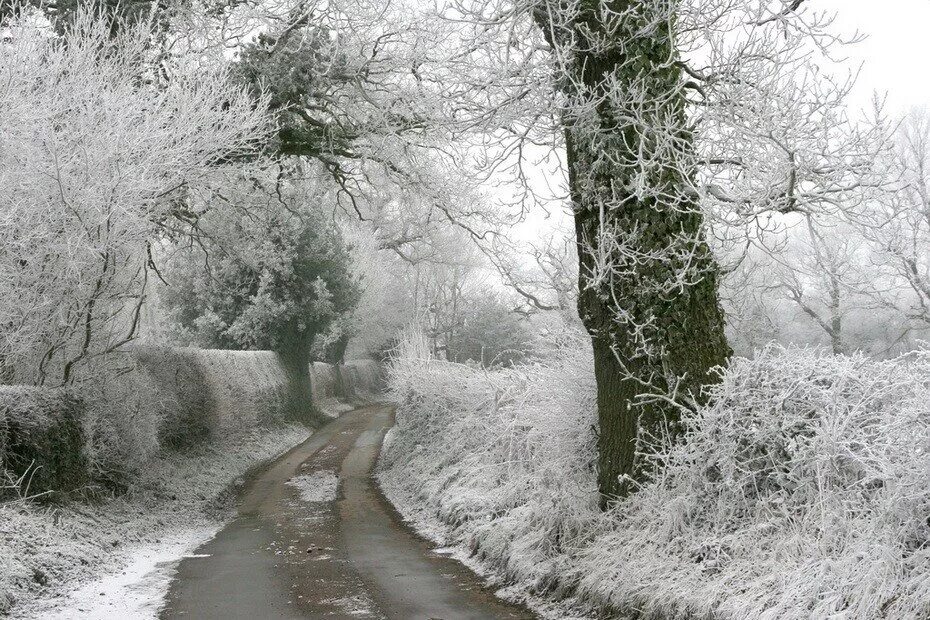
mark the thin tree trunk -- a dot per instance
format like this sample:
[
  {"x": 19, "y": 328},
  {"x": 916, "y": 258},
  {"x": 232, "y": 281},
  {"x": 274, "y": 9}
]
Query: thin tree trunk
[{"x": 836, "y": 316}]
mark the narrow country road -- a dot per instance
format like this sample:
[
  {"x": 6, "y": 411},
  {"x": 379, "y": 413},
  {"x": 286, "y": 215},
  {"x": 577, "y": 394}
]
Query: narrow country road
[{"x": 304, "y": 546}]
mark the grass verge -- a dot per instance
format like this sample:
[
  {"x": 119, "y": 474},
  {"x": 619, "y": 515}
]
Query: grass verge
[{"x": 47, "y": 551}]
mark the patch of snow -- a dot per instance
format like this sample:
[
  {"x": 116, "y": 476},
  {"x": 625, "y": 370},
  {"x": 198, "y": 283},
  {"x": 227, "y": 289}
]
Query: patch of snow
[
  {"x": 137, "y": 591},
  {"x": 130, "y": 542},
  {"x": 316, "y": 487},
  {"x": 359, "y": 605}
]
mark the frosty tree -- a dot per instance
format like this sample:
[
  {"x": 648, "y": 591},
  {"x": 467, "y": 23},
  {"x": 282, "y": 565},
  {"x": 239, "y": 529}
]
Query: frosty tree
[
  {"x": 897, "y": 222},
  {"x": 648, "y": 294},
  {"x": 674, "y": 118},
  {"x": 96, "y": 160},
  {"x": 269, "y": 271},
  {"x": 675, "y": 115}
]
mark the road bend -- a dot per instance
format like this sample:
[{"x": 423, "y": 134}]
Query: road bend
[{"x": 315, "y": 538}]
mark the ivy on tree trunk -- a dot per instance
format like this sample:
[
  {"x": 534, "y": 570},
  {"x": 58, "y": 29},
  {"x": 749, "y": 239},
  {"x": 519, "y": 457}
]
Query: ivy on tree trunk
[{"x": 653, "y": 332}]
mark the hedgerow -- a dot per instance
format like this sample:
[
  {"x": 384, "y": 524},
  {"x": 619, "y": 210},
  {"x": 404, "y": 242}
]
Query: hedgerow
[
  {"x": 503, "y": 457},
  {"x": 801, "y": 490}
]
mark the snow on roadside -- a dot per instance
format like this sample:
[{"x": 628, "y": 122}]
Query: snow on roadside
[
  {"x": 494, "y": 466},
  {"x": 441, "y": 534},
  {"x": 53, "y": 562},
  {"x": 135, "y": 591}
]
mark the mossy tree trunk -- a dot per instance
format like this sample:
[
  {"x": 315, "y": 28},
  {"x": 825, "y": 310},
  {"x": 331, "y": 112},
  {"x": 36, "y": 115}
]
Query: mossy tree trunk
[
  {"x": 295, "y": 357},
  {"x": 652, "y": 331}
]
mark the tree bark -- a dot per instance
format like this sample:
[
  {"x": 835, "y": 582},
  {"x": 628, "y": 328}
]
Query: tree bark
[
  {"x": 836, "y": 317},
  {"x": 299, "y": 398},
  {"x": 295, "y": 357},
  {"x": 684, "y": 326}
]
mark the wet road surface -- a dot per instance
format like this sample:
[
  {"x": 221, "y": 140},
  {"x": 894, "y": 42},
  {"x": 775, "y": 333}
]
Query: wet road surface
[{"x": 316, "y": 539}]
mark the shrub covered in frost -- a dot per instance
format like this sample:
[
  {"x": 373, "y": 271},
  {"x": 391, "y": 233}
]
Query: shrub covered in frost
[
  {"x": 41, "y": 441},
  {"x": 108, "y": 427},
  {"x": 504, "y": 456},
  {"x": 211, "y": 393},
  {"x": 360, "y": 379},
  {"x": 802, "y": 489}
]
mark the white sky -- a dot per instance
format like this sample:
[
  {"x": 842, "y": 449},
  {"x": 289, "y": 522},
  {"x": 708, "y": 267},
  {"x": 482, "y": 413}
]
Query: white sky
[{"x": 896, "y": 50}]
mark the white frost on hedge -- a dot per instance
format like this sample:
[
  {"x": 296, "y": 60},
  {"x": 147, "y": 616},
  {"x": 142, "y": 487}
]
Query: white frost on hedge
[
  {"x": 502, "y": 457},
  {"x": 802, "y": 491}
]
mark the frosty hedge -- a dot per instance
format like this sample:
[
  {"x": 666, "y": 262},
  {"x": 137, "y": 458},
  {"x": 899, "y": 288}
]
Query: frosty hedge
[
  {"x": 42, "y": 439},
  {"x": 802, "y": 489},
  {"x": 56, "y": 441}
]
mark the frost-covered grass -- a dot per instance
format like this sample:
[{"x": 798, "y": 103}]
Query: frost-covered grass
[
  {"x": 46, "y": 551},
  {"x": 802, "y": 491},
  {"x": 502, "y": 458}
]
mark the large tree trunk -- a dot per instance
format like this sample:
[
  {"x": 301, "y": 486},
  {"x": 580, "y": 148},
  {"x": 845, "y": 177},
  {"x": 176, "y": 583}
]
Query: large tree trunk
[
  {"x": 295, "y": 357},
  {"x": 649, "y": 337}
]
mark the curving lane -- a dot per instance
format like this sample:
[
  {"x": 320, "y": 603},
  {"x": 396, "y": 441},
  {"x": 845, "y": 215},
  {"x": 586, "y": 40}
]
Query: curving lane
[{"x": 315, "y": 538}]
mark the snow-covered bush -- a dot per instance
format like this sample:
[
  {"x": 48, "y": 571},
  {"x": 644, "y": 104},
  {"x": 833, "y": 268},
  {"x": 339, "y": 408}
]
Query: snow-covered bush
[
  {"x": 504, "y": 457},
  {"x": 802, "y": 490},
  {"x": 124, "y": 412},
  {"x": 246, "y": 388},
  {"x": 324, "y": 379},
  {"x": 98, "y": 160},
  {"x": 162, "y": 398},
  {"x": 41, "y": 441},
  {"x": 354, "y": 378},
  {"x": 488, "y": 332},
  {"x": 183, "y": 401},
  {"x": 272, "y": 273},
  {"x": 360, "y": 378},
  {"x": 208, "y": 393}
]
